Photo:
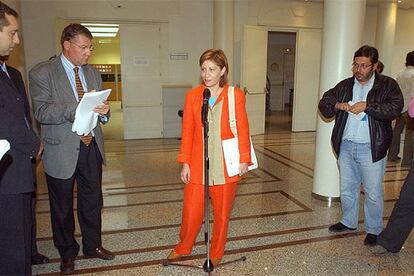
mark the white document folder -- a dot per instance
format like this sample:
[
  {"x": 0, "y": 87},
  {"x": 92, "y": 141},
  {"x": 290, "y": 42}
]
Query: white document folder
[
  {"x": 4, "y": 147},
  {"x": 232, "y": 156},
  {"x": 85, "y": 117}
]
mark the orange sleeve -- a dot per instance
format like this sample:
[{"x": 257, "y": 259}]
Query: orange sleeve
[
  {"x": 242, "y": 126},
  {"x": 187, "y": 131}
]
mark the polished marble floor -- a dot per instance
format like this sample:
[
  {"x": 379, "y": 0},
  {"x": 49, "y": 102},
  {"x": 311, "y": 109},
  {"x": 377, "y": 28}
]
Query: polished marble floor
[{"x": 275, "y": 223}]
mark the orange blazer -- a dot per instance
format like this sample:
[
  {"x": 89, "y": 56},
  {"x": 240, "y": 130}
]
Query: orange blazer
[{"x": 192, "y": 149}]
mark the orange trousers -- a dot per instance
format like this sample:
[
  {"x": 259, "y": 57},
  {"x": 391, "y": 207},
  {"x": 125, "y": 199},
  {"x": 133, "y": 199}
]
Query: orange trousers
[{"x": 222, "y": 198}]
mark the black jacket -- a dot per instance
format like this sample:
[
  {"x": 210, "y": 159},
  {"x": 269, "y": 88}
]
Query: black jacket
[
  {"x": 384, "y": 103},
  {"x": 16, "y": 174}
]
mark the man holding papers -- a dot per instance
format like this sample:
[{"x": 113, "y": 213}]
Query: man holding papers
[
  {"x": 56, "y": 87},
  {"x": 363, "y": 106}
]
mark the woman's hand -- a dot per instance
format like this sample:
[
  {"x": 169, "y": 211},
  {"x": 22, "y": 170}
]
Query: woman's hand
[
  {"x": 185, "y": 173},
  {"x": 243, "y": 168}
]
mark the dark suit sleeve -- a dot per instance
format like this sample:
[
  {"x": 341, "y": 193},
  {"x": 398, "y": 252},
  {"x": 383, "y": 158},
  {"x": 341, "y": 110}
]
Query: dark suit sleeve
[
  {"x": 328, "y": 102},
  {"x": 391, "y": 107},
  {"x": 13, "y": 127},
  {"x": 17, "y": 79}
]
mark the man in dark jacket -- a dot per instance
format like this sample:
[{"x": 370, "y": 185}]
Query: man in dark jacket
[
  {"x": 364, "y": 106},
  {"x": 16, "y": 175}
]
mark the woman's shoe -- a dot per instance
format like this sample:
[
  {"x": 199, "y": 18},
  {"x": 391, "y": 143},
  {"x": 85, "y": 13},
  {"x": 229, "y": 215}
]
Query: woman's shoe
[
  {"x": 215, "y": 262},
  {"x": 173, "y": 256}
]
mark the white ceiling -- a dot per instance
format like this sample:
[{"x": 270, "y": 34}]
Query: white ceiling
[{"x": 405, "y": 4}]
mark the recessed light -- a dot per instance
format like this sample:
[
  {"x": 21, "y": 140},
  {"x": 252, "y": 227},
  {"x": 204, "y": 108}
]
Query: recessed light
[{"x": 104, "y": 34}]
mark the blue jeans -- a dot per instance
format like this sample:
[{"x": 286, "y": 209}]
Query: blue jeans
[{"x": 356, "y": 167}]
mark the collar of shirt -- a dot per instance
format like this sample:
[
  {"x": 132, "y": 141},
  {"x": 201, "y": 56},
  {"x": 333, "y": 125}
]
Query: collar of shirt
[
  {"x": 69, "y": 66},
  {"x": 369, "y": 84},
  {"x": 360, "y": 92}
]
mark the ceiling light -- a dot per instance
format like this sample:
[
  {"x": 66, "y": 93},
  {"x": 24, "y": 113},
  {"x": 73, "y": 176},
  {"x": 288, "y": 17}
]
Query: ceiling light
[
  {"x": 102, "y": 29},
  {"x": 100, "y": 25},
  {"x": 104, "y": 34}
]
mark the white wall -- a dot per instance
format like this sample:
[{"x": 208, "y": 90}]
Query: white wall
[
  {"x": 290, "y": 16},
  {"x": 16, "y": 58},
  {"x": 190, "y": 27},
  {"x": 185, "y": 32},
  {"x": 404, "y": 39}
]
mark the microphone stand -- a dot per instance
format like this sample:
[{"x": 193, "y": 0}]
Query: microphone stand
[{"x": 208, "y": 265}]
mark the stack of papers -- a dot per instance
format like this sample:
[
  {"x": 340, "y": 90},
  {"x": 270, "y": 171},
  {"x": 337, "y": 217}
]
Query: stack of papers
[
  {"x": 4, "y": 147},
  {"x": 85, "y": 118},
  {"x": 360, "y": 116},
  {"x": 232, "y": 156}
]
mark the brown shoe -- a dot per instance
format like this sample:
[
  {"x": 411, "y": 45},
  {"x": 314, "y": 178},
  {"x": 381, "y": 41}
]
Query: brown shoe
[
  {"x": 173, "y": 256},
  {"x": 215, "y": 262},
  {"x": 67, "y": 265},
  {"x": 100, "y": 253}
]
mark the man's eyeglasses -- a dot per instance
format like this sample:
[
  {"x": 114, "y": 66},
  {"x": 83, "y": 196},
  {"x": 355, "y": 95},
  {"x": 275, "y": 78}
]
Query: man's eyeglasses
[
  {"x": 84, "y": 47},
  {"x": 363, "y": 66}
]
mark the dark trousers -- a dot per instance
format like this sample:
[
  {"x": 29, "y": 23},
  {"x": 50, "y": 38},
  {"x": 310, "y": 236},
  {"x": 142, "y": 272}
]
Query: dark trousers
[
  {"x": 401, "y": 221},
  {"x": 396, "y": 136},
  {"x": 34, "y": 250},
  {"x": 33, "y": 209},
  {"x": 88, "y": 176},
  {"x": 15, "y": 234}
]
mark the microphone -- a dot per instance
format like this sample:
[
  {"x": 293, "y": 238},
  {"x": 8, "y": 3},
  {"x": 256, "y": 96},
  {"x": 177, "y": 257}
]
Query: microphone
[{"x": 204, "y": 109}]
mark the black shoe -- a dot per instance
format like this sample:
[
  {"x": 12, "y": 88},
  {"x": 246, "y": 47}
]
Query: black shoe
[
  {"x": 339, "y": 227},
  {"x": 67, "y": 265},
  {"x": 39, "y": 259},
  {"x": 370, "y": 239},
  {"x": 100, "y": 253},
  {"x": 379, "y": 250}
]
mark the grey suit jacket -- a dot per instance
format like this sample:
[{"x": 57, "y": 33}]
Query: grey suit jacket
[{"x": 54, "y": 106}]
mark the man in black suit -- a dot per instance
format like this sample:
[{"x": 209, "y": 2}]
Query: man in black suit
[
  {"x": 15, "y": 76},
  {"x": 16, "y": 175}
]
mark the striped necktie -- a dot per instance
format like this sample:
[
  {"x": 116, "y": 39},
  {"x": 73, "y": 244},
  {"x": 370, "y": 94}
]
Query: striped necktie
[{"x": 86, "y": 139}]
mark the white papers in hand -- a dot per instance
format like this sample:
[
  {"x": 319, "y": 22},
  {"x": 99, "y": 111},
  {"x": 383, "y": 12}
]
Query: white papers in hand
[
  {"x": 232, "y": 156},
  {"x": 4, "y": 147},
  {"x": 85, "y": 118},
  {"x": 358, "y": 116}
]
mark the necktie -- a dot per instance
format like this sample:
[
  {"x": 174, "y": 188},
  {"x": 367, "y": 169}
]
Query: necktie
[
  {"x": 3, "y": 68},
  {"x": 86, "y": 139}
]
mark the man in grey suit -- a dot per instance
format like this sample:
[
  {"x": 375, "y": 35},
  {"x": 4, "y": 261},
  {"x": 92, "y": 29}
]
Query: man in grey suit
[{"x": 56, "y": 87}]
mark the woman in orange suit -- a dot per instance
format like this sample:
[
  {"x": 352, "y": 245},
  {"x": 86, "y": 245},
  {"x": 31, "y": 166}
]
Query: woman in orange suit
[{"x": 222, "y": 188}]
